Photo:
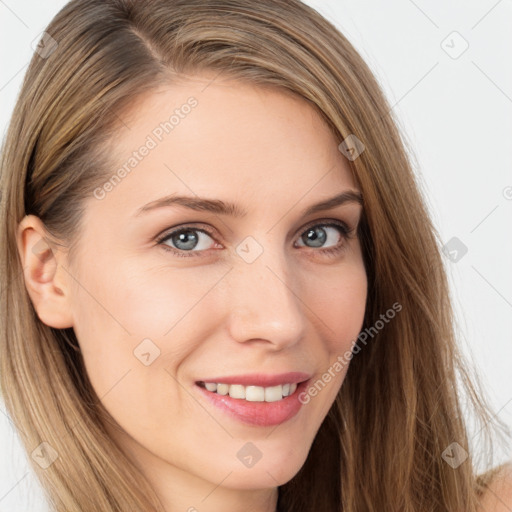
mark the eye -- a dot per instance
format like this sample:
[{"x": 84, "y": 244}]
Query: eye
[
  {"x": 185, "y": 239},
  {"x": 191, "y": 240},
  {"x": 318, "y": 234}
]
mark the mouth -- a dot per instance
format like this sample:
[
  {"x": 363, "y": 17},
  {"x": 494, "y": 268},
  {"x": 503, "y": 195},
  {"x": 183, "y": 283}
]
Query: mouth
[{"x": 254, "y": 405}]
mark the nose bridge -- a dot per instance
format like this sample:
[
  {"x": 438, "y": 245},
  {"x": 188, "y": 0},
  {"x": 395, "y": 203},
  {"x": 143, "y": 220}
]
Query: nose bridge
[{"x": 264, "y": 302}]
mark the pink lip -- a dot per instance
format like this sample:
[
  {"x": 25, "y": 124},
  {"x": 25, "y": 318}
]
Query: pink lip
[
  {"x": 260, "y": 379},
  {"x": 261, "y": 414}
]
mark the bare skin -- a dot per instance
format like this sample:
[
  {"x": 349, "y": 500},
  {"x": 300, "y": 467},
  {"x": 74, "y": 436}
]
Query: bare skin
[
  {"x": 498, "y": 497},
  {"x": 294, "y": 308}
]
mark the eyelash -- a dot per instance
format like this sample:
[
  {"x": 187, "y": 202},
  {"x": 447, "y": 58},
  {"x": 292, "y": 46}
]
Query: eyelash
[{"x": 344, "y": 230}]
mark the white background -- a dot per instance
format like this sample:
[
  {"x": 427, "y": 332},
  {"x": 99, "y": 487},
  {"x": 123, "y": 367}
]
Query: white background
[{"x": 456, "y": 115}]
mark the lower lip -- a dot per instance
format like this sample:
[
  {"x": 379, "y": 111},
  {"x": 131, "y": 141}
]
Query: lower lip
[{"x": 263, "y": 414}]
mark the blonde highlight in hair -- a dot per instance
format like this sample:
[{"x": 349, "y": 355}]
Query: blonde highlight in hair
[{"x": 380, "y": 446}]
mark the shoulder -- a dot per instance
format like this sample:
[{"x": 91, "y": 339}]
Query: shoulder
[{"x": 498, "y": 496}]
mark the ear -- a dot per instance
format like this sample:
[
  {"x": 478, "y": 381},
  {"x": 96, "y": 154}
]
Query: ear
[{"x": 46, "y": 280}]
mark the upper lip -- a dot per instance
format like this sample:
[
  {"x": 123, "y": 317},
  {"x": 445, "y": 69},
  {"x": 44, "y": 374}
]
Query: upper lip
[{"x": 260, "y": 379}]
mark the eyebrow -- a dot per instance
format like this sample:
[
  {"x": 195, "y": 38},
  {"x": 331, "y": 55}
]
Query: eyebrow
[{"x": 226, "y": 208}]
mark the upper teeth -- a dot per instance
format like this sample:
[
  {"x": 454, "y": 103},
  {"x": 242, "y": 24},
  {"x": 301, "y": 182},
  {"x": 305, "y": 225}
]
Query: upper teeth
[{"x": 252, "y": 393}]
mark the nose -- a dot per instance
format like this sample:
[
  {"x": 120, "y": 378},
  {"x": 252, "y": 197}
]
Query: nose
[{"x": 265, "y": 302}]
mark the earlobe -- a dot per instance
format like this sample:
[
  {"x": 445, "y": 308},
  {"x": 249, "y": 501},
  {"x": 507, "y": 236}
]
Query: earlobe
[{"x": 45, "y": 278}]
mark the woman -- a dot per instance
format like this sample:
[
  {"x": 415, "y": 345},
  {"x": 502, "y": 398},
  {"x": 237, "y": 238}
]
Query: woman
[{"x": 222, "y": 290}]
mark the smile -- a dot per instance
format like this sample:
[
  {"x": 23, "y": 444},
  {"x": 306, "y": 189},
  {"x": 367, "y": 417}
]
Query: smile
[
  {"x": 251, "y": 393},
  {"x": 254, "y": 405}
]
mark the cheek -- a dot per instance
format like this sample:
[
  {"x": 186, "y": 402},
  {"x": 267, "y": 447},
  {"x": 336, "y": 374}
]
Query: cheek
[
  {"x": 338, "y": 298},
  {"x": 339, "y": 302},
  {"x": 123, "y": 313},
  {"x": 143, "y": 301},
  {"x": 134, "y": 330},
  {"x": 157, "y": 298}
]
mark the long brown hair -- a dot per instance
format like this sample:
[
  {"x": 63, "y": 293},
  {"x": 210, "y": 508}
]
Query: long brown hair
[{"x": 400, "y": 407}]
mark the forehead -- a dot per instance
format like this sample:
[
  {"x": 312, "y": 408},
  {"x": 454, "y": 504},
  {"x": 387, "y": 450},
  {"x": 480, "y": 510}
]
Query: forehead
[{"x": 224, "y": 139}]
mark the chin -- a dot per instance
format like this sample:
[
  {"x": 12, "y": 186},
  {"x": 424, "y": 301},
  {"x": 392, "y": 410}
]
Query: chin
[{"x": 266, "y": 473}]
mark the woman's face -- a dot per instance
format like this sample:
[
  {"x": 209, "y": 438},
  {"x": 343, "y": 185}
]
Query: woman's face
[{"x": 157, "y": 310}]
